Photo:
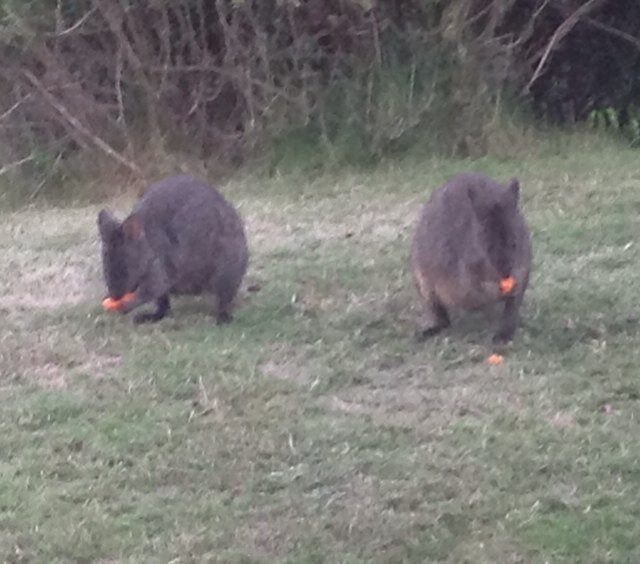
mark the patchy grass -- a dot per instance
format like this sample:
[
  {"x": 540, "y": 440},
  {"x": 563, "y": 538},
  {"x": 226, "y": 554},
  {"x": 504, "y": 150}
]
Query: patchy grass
[{"x": 313, "y": 429}]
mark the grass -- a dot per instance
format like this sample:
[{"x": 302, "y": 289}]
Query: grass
[{"x": 314, "y": 429}]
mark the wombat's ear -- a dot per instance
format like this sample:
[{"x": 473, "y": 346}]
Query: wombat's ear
[
  {"x": 513, "y": 191},
  {"x": 132, "y": 227},
  {"x": 107, "y": 224}
]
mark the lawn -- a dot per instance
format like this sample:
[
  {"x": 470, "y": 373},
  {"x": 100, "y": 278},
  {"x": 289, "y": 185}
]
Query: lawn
[{"x": 314, "y": 428}]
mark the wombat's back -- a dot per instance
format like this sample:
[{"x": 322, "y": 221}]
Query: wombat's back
[
  {"x": 451, "y": 259},
  {"x": 196, "y": 203},
  {"x": 194, "y": 230}
]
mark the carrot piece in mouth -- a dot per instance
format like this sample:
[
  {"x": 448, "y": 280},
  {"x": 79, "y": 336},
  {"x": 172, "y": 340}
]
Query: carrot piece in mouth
[{"x": 507, "y": 284}]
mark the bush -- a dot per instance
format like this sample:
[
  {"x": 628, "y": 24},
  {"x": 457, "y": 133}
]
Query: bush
[{"x": 303, "y": 83}]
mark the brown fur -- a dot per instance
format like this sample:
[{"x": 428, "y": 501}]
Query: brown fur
[{"x": 470, "y": 235}]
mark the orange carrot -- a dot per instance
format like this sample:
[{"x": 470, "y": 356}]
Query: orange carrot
[
  {"x": 111, "y": 304},
  {"x": 507, "y": 284},
  {"x": 495, "y": 359}
]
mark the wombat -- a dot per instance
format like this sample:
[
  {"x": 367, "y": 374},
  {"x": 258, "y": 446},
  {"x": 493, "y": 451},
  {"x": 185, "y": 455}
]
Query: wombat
[
  {"x": 470, "y": 236},
  {"x": 182, "y": 237}
]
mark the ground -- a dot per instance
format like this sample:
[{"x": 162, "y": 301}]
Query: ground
[{"x": 314, "y": 428}]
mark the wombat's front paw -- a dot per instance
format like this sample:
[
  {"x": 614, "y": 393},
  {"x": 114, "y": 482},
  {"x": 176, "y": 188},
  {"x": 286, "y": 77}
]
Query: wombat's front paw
[
  {"x": 223, "y": 318},
  {"x": 146, "y": 317},
  {"x": 503, "y": 337}
]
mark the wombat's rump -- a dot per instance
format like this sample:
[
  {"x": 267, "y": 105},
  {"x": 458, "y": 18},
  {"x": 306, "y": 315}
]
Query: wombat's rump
[
  {"x": 182, "y": 237},
  {"x": 470, "y": 249}
]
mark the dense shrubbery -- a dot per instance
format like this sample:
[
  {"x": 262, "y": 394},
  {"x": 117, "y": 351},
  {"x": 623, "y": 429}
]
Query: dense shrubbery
[{"x": 330, "y": 80}]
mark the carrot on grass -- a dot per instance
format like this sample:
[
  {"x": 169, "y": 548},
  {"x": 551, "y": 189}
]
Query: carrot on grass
[{"x": 495, "y": 358}]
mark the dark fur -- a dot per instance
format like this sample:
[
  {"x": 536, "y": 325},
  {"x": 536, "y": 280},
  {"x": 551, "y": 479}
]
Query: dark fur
[
  {"x": 470, "y": 235},
  {"x": 182, "y": 237}
]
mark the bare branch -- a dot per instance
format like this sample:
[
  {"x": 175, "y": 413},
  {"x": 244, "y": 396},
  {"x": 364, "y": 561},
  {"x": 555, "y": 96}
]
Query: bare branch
[
  {"x": 75, "y": 26},
  {"x": 75, "y": 123},
  {"x": 613, "y": 31},
  {"x": 563, "y": 30},
  {"x": 42, "y": 183},
  {"x": 9, "y": 167},
  {"x": 13, "y": 108}
]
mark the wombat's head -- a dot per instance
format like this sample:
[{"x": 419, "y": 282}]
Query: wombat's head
[
  {"x": 125, "y": 253},
  {"x": 501, "y": 225}
]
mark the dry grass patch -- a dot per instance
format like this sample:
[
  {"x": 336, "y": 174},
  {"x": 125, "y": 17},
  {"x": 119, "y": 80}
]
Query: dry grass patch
[
  {"x": 286, "y": 363},
  {"x": 50, "y": 259}
]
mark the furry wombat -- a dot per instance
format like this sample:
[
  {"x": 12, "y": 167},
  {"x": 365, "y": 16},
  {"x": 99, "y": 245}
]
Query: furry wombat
[
  {"x": 182, "y": 237},
  {"x": 470, "y": 236}
]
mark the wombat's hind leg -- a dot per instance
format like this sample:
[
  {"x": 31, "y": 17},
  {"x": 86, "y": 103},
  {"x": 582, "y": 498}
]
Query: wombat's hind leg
[
  {"x": 508, "y": 323},
  {"x": 224, "y": 317},
  {"x": 437, "y": 319},
  {"x": 436, "y": 316},
  {"x": 225, "y": 288},
  {"x": 162, "y": 308}
]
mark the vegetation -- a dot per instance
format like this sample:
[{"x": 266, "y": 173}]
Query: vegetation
[
  {"x": 313, "y": 429},
  {"x": 313, "y": 83}
]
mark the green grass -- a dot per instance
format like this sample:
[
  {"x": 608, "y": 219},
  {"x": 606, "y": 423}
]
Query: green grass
[{"x": 313, "y": 428}]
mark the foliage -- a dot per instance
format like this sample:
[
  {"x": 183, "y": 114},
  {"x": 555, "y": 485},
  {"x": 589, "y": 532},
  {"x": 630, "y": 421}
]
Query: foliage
[
  {"x": 625, "y": 122},
  {"x": 355, "y": 79}
]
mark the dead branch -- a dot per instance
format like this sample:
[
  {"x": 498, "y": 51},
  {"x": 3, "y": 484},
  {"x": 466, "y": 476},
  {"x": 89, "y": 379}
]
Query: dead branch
[
  {"x": 10, "y": 166},
  {"x": 75, "y": 26},
  {"x": 613, "y": 31},
  {"x": 563, "y": 30},
  {"x": 78, "y": 126},
  {"x": 13, "y": 108}
]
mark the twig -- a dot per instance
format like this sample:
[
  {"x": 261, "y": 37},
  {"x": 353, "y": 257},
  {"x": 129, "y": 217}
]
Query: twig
[
  {"x": 14, "y": 107},
  {"x": 53, "y": 168},
  {"x": 75, "y": 25},
  {"x": 37, "y": 189},
  {"x": 203, "y": 391},
  {"x": 8, "y": 167},
  {"x": 613, "y": 31},
  {"x": 530, "y": 27},
  {"x": 118, "y": 87}
]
